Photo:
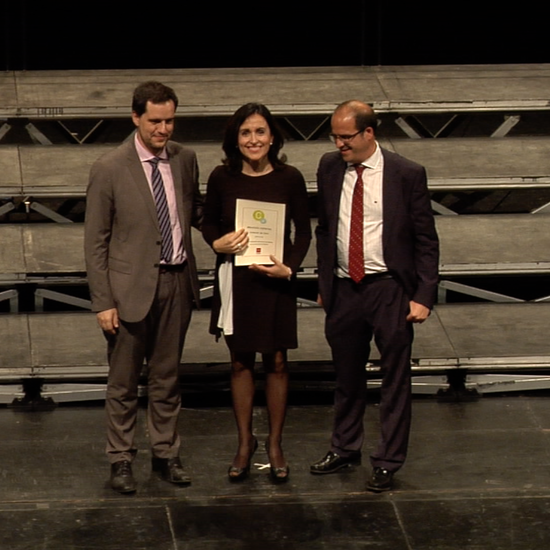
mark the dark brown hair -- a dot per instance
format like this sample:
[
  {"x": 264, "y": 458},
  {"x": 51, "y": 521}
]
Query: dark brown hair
[
  {"x": 152, "y": 91},
  {"x": 233, "y": 157}
]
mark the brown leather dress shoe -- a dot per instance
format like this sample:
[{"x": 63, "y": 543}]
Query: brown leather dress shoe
[
  {"x": 380, "y": 480},
  {"x": 122, "y": 479},
  {"x": 332, "y": 462},
  {"x": 171, "y": 470}
]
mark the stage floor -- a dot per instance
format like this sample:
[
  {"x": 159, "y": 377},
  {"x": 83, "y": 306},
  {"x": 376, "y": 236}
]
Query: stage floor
[{"x": 477, "y": 478}]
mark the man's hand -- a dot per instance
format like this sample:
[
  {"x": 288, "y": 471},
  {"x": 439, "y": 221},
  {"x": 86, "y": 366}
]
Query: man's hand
[
  {"x": 418, "y": 312},
  {"x": 108, "y": 320},
  {"x": 277, "y": 270}
]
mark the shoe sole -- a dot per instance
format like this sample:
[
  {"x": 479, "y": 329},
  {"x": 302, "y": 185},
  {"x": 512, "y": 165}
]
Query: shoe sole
[
  {"x": 161, "y": 476},
  {"x": 337, "y": 469},
  {"x": 378, "y": 489},
  {"x": 181, "y": 483},
  {"x": 124, "y": 491}
]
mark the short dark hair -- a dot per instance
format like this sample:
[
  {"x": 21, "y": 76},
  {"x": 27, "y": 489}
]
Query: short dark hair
[
  {"x": 233, "y": 157},
  {"x": 363, "y": 114},
  {"x": 152, "y": 91}
]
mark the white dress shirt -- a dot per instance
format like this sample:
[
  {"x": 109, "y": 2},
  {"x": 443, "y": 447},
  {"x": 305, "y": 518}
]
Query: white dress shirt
[{"x": 372, "y": 216}]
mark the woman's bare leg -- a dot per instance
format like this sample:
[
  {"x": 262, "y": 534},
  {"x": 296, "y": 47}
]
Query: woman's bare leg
[
  {"x": 242, "y": 391},
  {"x": 276, "y": 388}
]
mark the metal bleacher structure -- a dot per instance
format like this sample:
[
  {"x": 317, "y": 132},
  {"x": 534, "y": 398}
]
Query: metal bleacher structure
[{"x": 464, "y": 123}]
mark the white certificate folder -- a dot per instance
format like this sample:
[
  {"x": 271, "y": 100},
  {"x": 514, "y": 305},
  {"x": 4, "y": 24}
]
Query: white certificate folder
[{"x": 265, "y": 225}]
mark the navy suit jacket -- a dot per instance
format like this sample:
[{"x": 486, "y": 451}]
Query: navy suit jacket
[{"x": 409, "y": 238}]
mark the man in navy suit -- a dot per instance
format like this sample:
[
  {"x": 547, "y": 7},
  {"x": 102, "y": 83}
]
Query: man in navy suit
[{"x": 378, "y": 255}]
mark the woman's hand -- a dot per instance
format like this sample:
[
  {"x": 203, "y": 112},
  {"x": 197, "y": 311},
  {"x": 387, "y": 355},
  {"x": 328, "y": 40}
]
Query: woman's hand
[
  {"x": 277, "y": 270},
  {"x": 231, "y": 243}
]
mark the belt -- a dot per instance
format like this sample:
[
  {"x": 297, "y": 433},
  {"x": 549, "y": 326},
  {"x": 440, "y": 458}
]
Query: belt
[
  {"x": 374, "y": 277},
  {"x": 171, "y": 268}
]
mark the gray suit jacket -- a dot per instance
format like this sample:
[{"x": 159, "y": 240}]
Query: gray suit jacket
[
  {"x": 122, "y": 236},
  {"x": 409, "y": 238}
]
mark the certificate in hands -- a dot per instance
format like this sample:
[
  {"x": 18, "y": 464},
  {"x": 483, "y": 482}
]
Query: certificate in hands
[{"x": 265, "y": 224}]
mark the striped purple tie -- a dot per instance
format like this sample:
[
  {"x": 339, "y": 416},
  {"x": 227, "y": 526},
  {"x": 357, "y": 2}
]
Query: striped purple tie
[{"x": 167, "y": 248}]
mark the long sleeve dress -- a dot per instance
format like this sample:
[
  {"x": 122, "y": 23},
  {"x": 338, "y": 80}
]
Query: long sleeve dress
[{"x": 264, "y": 308}]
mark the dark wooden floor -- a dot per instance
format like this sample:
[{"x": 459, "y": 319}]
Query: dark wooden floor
[{"x": 476, "y": 478}]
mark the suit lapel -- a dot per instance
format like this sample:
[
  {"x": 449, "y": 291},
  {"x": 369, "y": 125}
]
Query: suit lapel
[
  {"x": 389, "y": 194},
  {"x": 339, "y": 171},
  {"x": 177, "y": 178}
]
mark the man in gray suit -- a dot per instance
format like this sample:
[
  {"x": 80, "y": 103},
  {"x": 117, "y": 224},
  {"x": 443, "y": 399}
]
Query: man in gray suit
[{"x": 142, "y": 200}]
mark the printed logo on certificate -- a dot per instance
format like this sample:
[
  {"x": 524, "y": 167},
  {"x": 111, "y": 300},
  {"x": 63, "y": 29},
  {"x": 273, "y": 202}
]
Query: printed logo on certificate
[{"x": 265, "y": 225}]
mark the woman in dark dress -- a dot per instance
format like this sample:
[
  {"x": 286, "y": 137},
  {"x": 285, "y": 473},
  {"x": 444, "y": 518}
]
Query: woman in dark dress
[{"x": 254, "y": 306}]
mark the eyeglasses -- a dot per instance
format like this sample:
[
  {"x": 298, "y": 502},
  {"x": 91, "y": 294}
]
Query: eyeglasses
[{"x": 344, "y": 138}]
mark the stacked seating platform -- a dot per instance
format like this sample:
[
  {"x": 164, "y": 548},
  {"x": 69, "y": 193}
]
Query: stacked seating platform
[{"x": 426, "y": 114}]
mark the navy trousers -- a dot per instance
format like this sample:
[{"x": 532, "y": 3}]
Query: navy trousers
[{"x": 358, "y": 312}]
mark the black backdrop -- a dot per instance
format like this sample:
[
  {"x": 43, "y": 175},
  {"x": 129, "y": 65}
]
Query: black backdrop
[{"x": 119, "y": 34}]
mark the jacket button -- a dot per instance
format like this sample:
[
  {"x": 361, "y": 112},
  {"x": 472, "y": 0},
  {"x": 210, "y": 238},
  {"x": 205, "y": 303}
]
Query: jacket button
[
  {"x": 159, "y": 243},
  {"x": 156, "y": 265}
]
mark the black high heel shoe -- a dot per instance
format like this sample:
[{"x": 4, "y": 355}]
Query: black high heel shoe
[
  {"x": 278, "y": 475},
  {"x": 238, "y": 474}
]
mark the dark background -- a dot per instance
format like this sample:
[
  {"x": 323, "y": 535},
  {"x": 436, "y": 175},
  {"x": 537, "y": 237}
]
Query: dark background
[{"x": 125, "y": 35}]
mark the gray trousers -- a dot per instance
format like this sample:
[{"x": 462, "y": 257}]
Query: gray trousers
[{"x": 158, "y": 339}]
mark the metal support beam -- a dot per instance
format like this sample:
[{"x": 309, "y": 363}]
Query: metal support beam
[
  {"x": 36, "y": 135},
  {"x": 10, "y": 392},
  {"x": 32, "y": 400},
  {"x": 206, "y": 292},
  {"x": 5, "y": 208},
  {"x": 478, "y": 292},
  {"x": 420, "y": 385},
  {"x": 408, "y": 129},
  {"x": 10, "y": 295},
  {"x": 447, "y": 128},
  {"x": 304, "y": 302},
  {"x": 314, "y": 134},
  {"x": 509, "y": 122},
  {"x": 4, "y": 129},
  {"x": 493, "y": 383},
  {"x": 70, "y": 393},
  {"x": 42, "y": 293},
  {"x": 544, "y": 209},
  {"x": 441, "y": 294},
  {"x": 416, "y": 129},
  {"x": 443, "y": 210},
  {"x": 307, "y": 273},
  {"x": 48, "y": 212},
  {"x": 74, "y": 135}
]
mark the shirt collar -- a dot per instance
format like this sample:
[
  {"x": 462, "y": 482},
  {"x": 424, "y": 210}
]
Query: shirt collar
[
  {"x": 144, "y": 154},
  {"x": 373, "y": 162}
]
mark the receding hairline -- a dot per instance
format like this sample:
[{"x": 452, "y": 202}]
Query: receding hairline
[{"x": 354, "y": 107}]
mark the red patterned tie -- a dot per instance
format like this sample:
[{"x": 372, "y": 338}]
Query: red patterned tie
[{"x": 356, "y": 260}]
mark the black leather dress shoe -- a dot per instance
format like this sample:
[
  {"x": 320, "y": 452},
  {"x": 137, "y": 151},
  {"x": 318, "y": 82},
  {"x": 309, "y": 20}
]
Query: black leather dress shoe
[
  {"x": 122, "y": 479},
  {"x": 380, "y": 480},
  {"x": 171, "y": 470},
  {"x": 332, "y": 462}
]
